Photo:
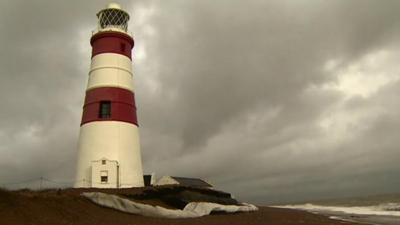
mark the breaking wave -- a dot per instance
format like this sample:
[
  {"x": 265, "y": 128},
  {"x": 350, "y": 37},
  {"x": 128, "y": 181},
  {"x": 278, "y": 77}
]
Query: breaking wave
[{"x": 384, "y": 209}]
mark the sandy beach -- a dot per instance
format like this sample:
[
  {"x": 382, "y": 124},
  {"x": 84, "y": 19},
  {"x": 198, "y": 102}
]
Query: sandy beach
[{"x": 68, "y": 207}]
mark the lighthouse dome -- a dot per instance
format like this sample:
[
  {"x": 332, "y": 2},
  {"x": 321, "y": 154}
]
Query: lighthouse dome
[
  {"x": 113, "y": 18},
  {"x": 113, "y": 5}
]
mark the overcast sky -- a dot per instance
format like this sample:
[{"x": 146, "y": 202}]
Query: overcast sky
[{"x": 273, "y": 101}]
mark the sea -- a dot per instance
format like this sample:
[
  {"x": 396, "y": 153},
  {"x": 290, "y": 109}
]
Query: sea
[{"x": 377, "y": 210}]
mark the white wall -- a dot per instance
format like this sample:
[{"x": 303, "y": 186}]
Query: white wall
[
  {"x": 111, "y": 70},
  {"x": 113, "y": 140}
]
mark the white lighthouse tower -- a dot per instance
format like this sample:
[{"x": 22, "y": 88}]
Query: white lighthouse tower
[{"x": 109, "y": 149}]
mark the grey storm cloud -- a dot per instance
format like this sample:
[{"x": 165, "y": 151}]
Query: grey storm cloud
[{"x": 272, "y": 100}]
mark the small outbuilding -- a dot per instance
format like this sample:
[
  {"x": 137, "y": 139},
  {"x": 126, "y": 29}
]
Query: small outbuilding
[
  {"x": 105, "y": 173},
  {"x": 183, "y": 181}
]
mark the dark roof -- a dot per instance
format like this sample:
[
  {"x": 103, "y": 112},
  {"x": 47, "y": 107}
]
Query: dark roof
[{"x": 191, "y": 182}]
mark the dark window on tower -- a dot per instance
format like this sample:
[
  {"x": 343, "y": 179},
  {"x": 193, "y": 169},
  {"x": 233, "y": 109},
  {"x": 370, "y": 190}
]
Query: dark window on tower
[
  {"x": 104, "y": 179},
  {"x": 104, "y": 176},
  {"x": 105, "y": 109},
  {"x": 122, "y": 46}
]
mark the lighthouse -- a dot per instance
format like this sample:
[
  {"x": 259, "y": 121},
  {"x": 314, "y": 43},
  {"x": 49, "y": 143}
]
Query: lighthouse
[{"x": 109, "y": 149}]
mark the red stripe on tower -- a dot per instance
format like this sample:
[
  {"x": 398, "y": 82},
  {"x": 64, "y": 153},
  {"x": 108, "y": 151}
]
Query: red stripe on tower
[
  {"x": 112, "y": 42},
  {"x": 121, "y": 105}
]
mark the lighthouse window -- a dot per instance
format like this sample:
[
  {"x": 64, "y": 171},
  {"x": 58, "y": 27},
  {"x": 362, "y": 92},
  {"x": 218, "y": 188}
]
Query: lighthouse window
[
  {"x": 105, "y": 109},
  {"x": 122, "y": 46},
  {"x": 104, "y": 176}
]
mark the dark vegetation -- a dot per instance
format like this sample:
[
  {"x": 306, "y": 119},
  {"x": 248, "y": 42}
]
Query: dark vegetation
[{"x": 179, "y": 196}]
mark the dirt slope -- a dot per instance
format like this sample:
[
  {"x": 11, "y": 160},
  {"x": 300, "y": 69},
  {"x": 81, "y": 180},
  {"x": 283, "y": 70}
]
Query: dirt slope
[{"x": 67, "y": 207}]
